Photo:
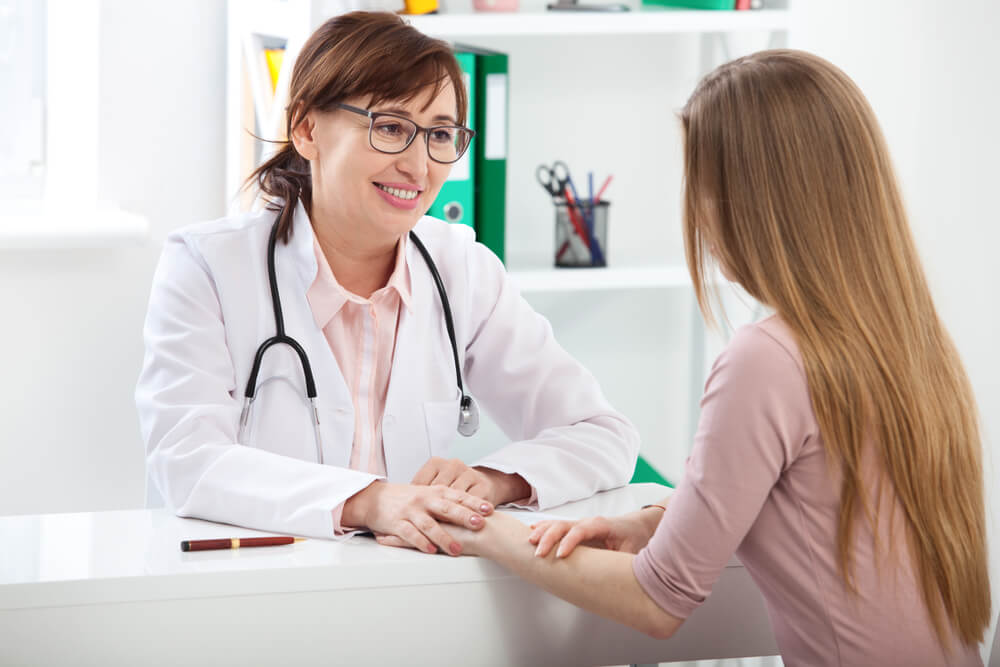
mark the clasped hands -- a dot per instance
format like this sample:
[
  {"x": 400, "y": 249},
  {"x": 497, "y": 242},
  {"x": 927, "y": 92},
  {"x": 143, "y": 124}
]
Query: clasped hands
[
  {"x": 443, "y": 492},
  {"x": 446, "y": 506}
]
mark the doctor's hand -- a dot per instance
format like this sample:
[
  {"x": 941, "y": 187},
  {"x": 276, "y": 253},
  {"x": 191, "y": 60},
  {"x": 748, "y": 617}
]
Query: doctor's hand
[
  {"x": 405, "y": 515},
  {"x": 629, "y": 532},
  {"x": 495, "y": 486}
]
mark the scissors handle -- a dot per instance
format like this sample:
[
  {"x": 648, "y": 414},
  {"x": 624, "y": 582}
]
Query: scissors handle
[
  {"x": 560, "y": 173},
  {"x": 547, "y": 179},
  {"x": 544, "y": 177}
]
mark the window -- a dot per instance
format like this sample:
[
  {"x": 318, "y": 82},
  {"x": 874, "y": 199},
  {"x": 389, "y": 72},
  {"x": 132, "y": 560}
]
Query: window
[{"x": 23, "y": 82}]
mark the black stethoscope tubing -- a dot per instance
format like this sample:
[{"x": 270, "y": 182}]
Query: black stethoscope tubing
[{"x": 468, "y": 422}]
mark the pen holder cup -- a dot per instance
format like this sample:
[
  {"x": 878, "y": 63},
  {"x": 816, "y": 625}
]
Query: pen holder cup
[{"x": 578, "y": 228}]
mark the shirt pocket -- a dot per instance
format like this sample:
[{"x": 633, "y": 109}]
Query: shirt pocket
[{"x": 442, "y": 425}]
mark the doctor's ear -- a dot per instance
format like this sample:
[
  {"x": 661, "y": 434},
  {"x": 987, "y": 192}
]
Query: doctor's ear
[{"x": 302, "y": 136}]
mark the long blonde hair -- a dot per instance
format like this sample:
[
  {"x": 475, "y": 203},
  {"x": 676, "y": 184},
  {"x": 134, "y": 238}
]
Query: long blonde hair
[{"x": 789, "y": 186}]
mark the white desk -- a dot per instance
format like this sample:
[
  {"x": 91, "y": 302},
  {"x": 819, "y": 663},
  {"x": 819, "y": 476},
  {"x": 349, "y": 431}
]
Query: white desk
[{"x": 113, "y": 588}]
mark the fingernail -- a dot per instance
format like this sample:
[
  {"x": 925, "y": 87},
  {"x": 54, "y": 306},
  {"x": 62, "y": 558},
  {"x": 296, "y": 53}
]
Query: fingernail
[
  {"x": 485, "y": 507},
  {"x": 559, "y": 553},
  {"x": 455, "y": 548},
  {"x": 538, "y": 549},
  {"x": 475, "y": 519}
]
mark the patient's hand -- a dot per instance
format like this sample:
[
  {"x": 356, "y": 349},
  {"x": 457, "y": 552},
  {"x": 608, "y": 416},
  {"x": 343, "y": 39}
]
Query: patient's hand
[{"x": 629, "y": 532}]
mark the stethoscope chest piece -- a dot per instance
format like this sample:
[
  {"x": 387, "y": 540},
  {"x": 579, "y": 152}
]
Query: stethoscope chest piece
[{"x": 468, "y": 416}]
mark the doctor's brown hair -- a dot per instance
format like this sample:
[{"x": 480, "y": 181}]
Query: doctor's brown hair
[
  {"x": 788, "y": 182},
  {"x": 372, "y": 54}
]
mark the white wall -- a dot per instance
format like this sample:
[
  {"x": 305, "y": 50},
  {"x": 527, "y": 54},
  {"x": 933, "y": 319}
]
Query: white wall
[{"x": 68, "y": 434}]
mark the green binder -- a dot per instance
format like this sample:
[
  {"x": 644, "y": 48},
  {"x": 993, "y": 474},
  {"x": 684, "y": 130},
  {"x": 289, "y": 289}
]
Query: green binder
[
  {"x": 647, "y": 473},
  {"x": 456, "y": 202},
  {"x": 490, "y": 145}
]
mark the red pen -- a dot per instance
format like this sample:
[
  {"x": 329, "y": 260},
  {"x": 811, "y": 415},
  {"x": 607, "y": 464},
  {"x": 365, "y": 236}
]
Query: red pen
[
  {"x": 237, "y": 542},
  {"x": 574, "y": 216},
  {"x": 607, "y": 182}
]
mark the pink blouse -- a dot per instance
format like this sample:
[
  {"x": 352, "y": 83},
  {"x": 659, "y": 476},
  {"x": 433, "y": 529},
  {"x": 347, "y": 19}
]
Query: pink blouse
[
  {"x": 758, "y": 484},
  {"x": 362, "y": 335}
]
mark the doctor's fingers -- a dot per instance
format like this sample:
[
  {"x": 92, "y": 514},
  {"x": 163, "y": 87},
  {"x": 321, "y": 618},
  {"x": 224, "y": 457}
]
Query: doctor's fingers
[
  {"x": 455, "y": 513},
  {"x": 452, "y": 471},
  {"x": 474, "y": 482},
  {"x": 433, "y": 469},
  {"x": 393, "y": 541},
  {"x": 433, "y": 531},
  {"x": 410, "y": 535},
  {"x": 439, "y": 496}
]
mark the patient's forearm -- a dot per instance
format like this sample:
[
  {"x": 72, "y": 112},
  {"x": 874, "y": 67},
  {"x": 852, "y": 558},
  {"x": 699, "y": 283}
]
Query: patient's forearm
[{"x": 598, "y": 580}]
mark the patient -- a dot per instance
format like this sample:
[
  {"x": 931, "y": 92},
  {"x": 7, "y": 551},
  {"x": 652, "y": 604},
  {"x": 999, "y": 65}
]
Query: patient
[{"x": 838, "y": 451}]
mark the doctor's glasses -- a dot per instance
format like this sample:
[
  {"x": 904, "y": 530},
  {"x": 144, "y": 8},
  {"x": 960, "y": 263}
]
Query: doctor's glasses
[{"x": 391, "y": 133}]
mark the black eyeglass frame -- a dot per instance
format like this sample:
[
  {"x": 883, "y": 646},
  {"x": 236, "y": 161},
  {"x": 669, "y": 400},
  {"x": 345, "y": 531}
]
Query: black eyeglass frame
[{"x": 373, "y": 115}]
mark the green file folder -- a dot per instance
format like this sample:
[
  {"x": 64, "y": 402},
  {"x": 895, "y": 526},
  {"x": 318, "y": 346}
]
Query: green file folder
[
  {"x": 456, "y": 202},
  {"x": 647, "y": 473},
  {"x": 490, "y": 146}
]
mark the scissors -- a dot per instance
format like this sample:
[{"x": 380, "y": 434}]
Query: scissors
[{"x": 554, "y": 179}]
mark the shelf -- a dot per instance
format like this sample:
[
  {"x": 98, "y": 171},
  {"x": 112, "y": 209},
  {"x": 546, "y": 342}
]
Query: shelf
[
  {"x": 645, "y": 21},
  {"x": 573, "y": 280},
  {"x": 34, "y": 227}
]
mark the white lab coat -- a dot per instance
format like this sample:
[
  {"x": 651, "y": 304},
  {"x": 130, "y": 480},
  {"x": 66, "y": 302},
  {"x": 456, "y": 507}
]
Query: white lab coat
[{"x": 209, "y": 309}]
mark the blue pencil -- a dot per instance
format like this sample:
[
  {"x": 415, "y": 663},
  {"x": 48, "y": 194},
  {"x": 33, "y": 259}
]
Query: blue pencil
[{"x": 596, "y": 254}]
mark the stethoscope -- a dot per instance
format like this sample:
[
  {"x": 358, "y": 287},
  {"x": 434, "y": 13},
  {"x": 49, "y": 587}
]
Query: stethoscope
[{"x": 468, "y": 411}]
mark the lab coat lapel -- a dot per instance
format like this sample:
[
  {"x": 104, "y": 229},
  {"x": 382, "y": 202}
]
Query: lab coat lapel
[{"x": 422, "y": 372}]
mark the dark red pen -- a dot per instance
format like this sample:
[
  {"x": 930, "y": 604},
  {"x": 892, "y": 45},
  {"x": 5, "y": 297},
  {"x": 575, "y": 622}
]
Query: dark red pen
[{"x": 237, "y": 542}]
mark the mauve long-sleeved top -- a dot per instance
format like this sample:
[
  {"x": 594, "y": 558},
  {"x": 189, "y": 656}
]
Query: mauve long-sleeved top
[{"x": 758, "y": 483}]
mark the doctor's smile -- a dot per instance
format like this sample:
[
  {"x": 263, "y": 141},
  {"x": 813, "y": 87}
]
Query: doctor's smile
[{"x": 400, "y": 195}]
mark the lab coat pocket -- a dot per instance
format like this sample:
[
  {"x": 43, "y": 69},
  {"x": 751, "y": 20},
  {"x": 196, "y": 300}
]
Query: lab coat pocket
[{"x": 442, "y": 425}]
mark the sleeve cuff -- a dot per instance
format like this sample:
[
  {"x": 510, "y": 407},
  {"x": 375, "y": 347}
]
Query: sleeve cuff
[
  {"x": 660, "y": 589},
  {"x": 339, "y": 530},
  {"x": 529, "y": 503},
  {"x": 338, "y": 513}
]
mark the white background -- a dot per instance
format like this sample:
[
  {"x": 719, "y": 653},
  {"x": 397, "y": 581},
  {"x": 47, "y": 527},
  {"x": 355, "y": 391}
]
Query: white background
[{"x": 71, "y": 324}]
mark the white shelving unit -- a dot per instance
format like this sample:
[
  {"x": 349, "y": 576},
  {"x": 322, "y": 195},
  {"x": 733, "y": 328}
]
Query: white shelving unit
[
  {"x": 587, "y": 279},
  {"x": 253, "y": 23},
  {"x": 643, "y": 22}
]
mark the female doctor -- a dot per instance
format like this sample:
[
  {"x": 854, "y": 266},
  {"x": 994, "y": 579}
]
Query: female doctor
[{"x": 307, "y": 367}]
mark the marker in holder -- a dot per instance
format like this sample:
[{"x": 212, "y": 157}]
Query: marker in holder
[{"x": 579, "y": 226}]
